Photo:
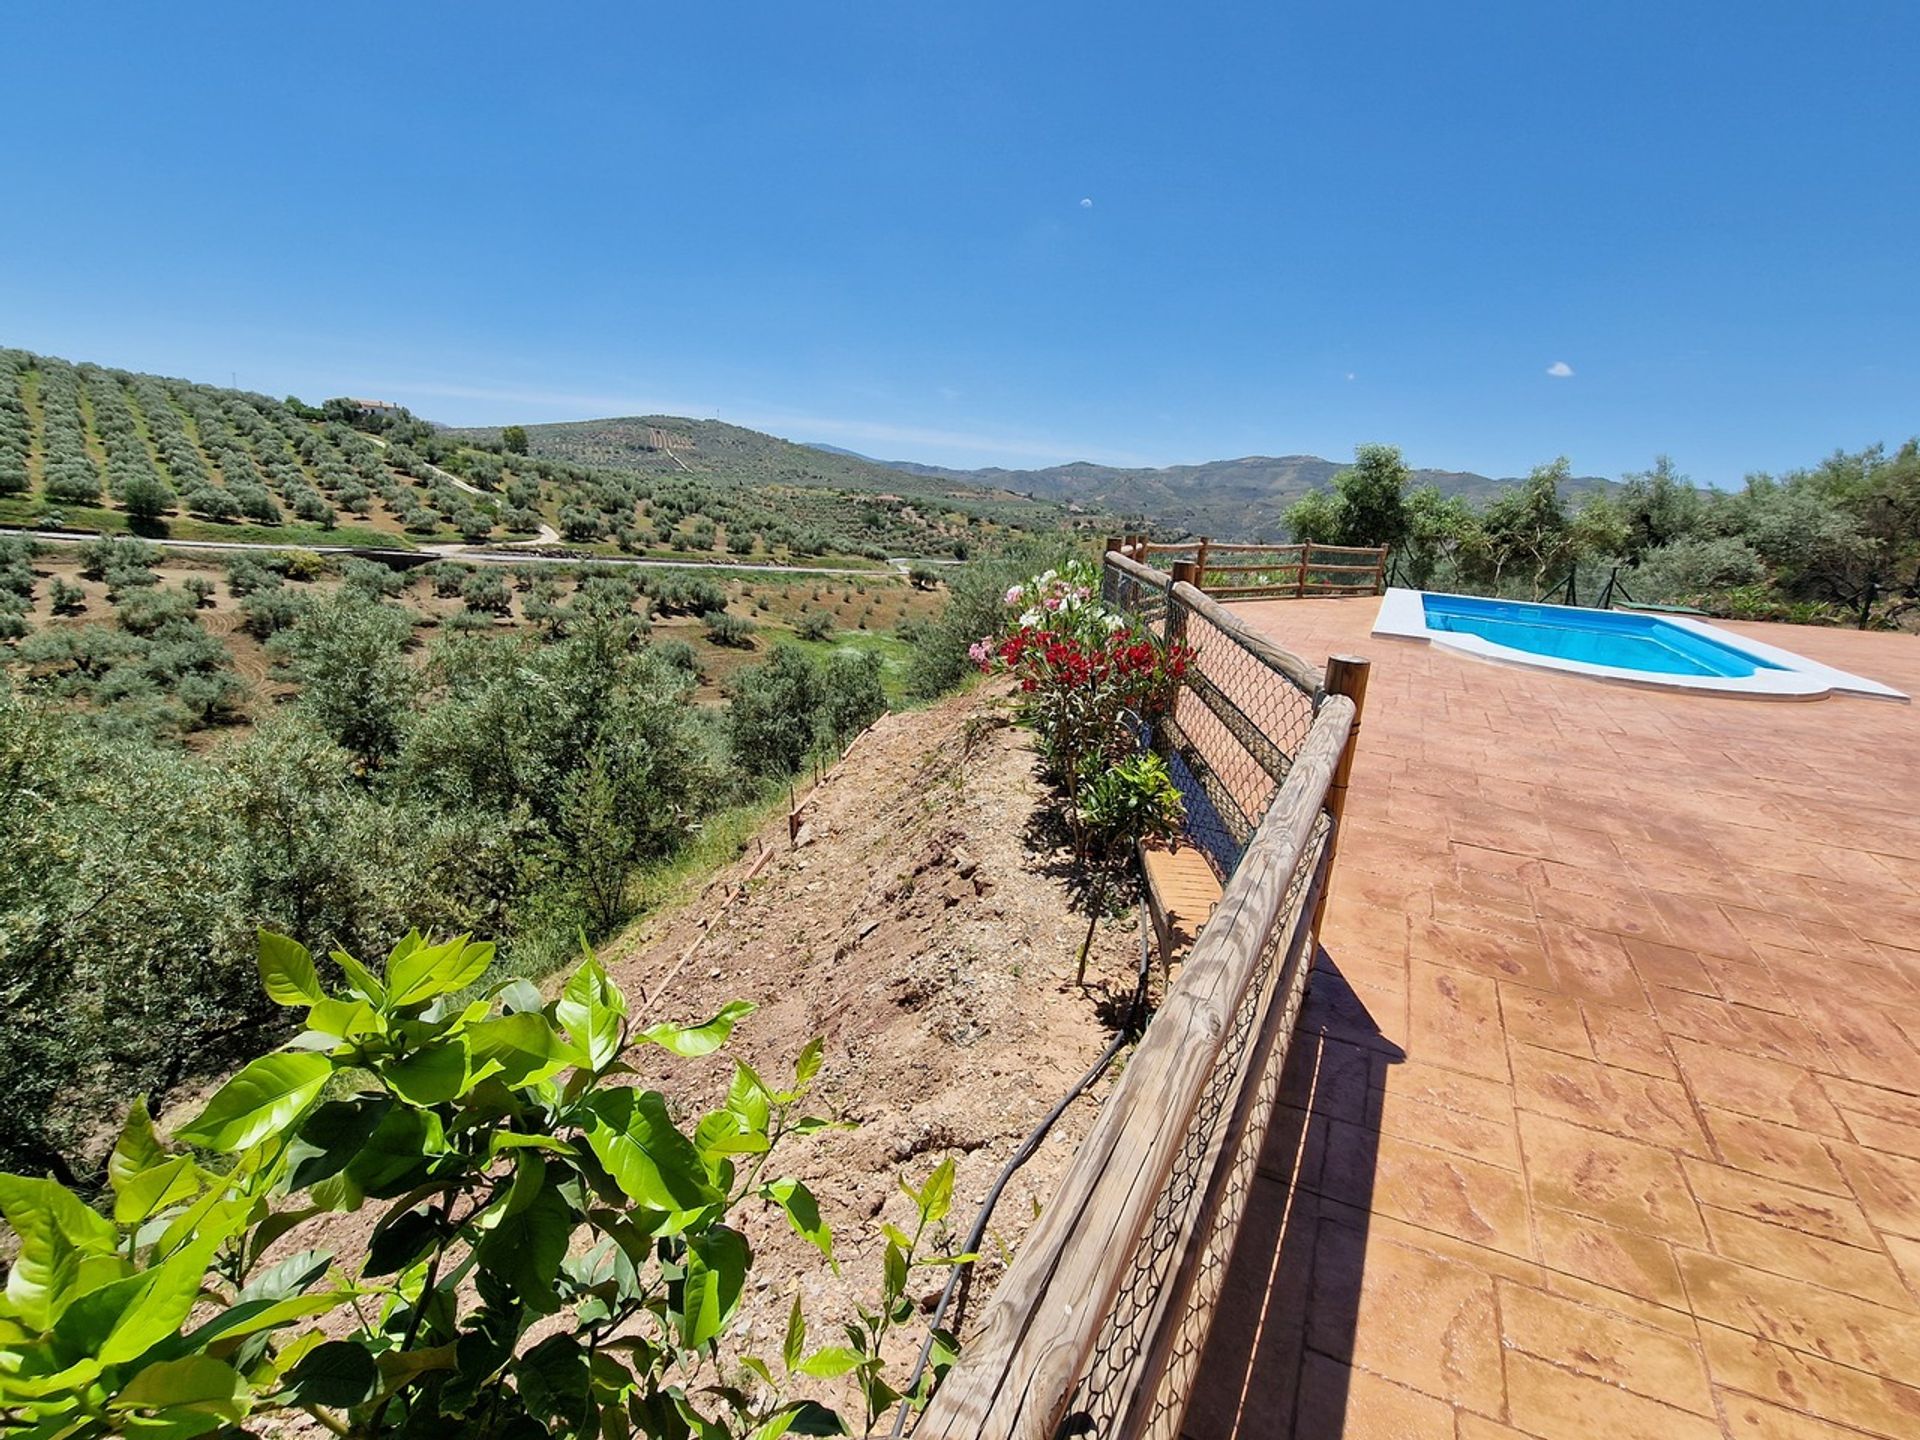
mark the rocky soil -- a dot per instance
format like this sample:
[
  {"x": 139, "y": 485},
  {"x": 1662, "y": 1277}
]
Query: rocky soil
[{"x": 923, "y": 928}]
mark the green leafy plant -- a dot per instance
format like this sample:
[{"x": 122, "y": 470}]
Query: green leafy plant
[
  {"x": 1118, "y": 809},
  {"x": 552, "y": 1253}
]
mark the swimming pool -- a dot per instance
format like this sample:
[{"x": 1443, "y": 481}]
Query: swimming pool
[{"x": 1675, "y": 651}]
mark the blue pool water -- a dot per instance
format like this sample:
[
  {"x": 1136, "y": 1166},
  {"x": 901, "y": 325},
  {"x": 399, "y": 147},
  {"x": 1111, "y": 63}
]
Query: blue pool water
[{"x": 1618, "y": 638}]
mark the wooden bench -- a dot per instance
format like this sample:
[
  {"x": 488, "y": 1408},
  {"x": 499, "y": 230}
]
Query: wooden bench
[{"x": 1181, "y": 894}]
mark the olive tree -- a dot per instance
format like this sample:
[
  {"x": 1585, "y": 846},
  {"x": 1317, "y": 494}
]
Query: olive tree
[{"x": 345, "y": 653}]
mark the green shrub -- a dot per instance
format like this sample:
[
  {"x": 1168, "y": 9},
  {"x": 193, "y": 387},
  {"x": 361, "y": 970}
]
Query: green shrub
[
  {"x": 486, "y": 591},
  {"x": 781, "y": 712},
  {"x": 120, "y": 561},
  {"x": 125, "y": 579},
  {"x": 679, "y": 655},
  {"x": 532, "y": 1205},
  {"x": 448, "y": 576},
  {"x": 372, "y": 579},
  {"x": 677, "y": 593},
  {"x": 344, "y": 652},
  {"x": 1693, "y": 568},
  {"x": 268, "y": 611},
  {"x": 67, "y": 598},
  {"x": 583, "y": 750},
  {"x": 975, "y": 607},
  {"x": 814, "y": 625},
  {"x": 145, "y": 612},
  {"x": 734, "y": 631},
  {"x": 211, "y": 502},
  {"x": 606, "y": 595},
  {"x": 1117, "y": 809},
  {"x": 772, "y": 714},
  {"x": 851, "y": 696},
  {"x": 246, "y": 575},
  {"x": 17, "y": 554},
  {"x": 147, "y": 496}
]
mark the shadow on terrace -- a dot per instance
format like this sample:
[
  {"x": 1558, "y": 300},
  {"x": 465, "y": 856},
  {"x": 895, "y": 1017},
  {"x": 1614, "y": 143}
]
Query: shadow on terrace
[{"x": 1287, "y": 1311}]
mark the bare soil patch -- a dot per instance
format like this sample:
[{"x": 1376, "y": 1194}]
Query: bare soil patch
[{"x": 914, "y": 930}]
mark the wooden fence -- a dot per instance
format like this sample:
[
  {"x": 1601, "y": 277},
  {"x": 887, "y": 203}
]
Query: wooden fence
[
  {"x": 1098, "y": 1327},
  {"x": 1233, "y": 571}
]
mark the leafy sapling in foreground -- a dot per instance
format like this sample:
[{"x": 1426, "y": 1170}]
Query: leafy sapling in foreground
[{"x": 519, "y": 1181}]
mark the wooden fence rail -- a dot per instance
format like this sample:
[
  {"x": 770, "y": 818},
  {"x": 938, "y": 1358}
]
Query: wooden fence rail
[
  {"x": 1300, "y": 570},
  {"x": 1098, "y": 1326}
]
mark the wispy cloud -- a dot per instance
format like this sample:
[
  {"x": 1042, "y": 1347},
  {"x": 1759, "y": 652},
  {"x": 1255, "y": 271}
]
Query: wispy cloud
[
  {"x": 902, "y": 440},
  {"x": 1560, "y": 370}
]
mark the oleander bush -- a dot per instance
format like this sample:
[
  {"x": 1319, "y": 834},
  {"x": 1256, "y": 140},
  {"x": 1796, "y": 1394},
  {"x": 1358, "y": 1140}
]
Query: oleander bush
[{"x": 1091, "y": 684}]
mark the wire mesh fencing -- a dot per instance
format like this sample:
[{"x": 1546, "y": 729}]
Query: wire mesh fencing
[
  {"x": 1098, "y": 1327},
  {"x": 1149, "y": 1346},
  {"x": 1237, "y": 721}
]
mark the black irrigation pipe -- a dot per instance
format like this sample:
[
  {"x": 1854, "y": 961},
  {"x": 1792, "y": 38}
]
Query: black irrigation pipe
[{"x": 1020, "y": 1157}]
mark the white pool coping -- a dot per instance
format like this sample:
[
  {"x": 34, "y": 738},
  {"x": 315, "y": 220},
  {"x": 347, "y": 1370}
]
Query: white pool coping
[{"x": 1403, "y": 617}]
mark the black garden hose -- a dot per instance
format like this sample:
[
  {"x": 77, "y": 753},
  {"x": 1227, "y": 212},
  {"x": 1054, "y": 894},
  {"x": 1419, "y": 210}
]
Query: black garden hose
[{"x": 1128, "y": 1029}]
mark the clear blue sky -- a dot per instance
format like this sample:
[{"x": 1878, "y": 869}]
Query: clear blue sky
[{"x": 981, "y": 233}]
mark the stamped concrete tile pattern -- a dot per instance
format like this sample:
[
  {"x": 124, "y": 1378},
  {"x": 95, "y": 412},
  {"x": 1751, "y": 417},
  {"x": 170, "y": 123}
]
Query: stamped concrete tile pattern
[{"x": 1604, "y": 1115}]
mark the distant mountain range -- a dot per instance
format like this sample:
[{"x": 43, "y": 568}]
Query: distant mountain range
[{"x": 1243, "y": 499}]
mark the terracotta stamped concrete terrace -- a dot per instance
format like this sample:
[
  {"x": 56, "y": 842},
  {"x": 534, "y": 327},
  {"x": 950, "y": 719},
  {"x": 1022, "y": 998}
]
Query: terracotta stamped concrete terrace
[{"x": 1604, "y": 1117}]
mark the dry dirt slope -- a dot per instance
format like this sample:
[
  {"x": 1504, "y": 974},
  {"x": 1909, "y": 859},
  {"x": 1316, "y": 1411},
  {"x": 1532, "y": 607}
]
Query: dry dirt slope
[{"x": 915, "y": 928}]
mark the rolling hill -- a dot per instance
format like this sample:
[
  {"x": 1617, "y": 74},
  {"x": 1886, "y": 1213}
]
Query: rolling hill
[
  {"x": 104, "y": 448},
  {"x": 721, "y": 453},
  {"x": 87, "y": 447},
  {"x": 1244, "y": 499}
]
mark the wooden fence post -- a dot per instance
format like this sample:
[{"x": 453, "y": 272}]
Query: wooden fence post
[
  {"x": 1380, "y": 572},
  {"x": 1346, "y": 675},
  {"x": 1306, "y": 554},
  {"x": 1113, "y": 543},
  {"x": 1183, "y": 571},
  {"x": 1200, "y": 563}
]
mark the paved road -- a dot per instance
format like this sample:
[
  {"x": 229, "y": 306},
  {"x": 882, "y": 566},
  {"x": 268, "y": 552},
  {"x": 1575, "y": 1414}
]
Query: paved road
[{"x": 496, "y": 556}]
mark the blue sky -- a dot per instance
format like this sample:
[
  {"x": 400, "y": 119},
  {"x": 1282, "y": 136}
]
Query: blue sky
[{"x": 992, "y": 233}]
